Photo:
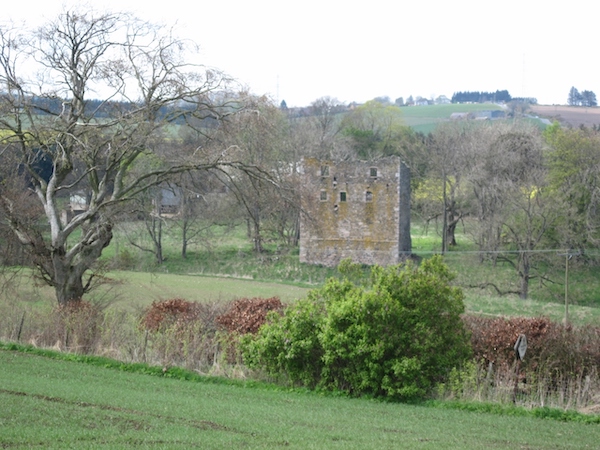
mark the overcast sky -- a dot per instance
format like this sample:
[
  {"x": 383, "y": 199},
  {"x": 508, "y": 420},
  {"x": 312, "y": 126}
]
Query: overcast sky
[{"x": 302, "y": 50}]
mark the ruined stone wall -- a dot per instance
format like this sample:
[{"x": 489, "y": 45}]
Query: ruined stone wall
[{"x": 355, "y": 209}]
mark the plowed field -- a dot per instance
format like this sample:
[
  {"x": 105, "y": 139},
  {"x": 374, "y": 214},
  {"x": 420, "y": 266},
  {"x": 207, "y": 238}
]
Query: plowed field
[{"x": 569, "y": 115}]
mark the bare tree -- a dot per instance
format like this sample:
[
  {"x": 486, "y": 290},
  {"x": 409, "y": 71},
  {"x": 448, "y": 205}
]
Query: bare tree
[
  {"x": 448, "y": 147},
  {"x": 516, "y": 210},
  {"x": 259, "y": 133},
  {"x": 66, "y": 142}
]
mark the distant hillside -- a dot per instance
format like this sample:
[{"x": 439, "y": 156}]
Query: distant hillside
[
  {"x": 425, "y": 118},
  {"x": 574, "y": 116}
]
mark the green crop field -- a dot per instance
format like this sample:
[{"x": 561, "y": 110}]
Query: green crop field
[
  {"x": 425, "y": 118},
  {"x": 50, "y": 402}
]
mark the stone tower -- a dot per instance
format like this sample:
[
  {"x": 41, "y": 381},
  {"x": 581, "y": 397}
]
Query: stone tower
[{"x": 355, "y": 209}]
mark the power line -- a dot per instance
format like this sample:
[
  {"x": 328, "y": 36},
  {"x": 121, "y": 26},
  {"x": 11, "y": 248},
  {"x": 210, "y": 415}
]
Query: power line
[{"x": 559, "y": 252}]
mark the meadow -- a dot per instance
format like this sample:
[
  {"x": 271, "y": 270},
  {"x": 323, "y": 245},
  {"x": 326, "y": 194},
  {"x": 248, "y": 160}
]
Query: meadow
[
  {"x": 54, "y": 400},
  {"x": 425, "y": 118},
  {"x": 224, "y": 268},
  {"x": 142, "y": 396},
  {"x": 228, "y": 269}
]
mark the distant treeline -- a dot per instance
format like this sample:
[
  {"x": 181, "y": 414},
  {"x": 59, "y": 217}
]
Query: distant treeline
[
  {"x": 531, "y": 100},
  {"x": 106, "y": 109},
  {"x": 481, "y": 97}
]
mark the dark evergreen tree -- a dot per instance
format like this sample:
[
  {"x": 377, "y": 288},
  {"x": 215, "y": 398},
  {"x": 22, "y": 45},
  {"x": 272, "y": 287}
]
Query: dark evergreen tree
[
  {"x": 574, "y": 97},
  {"x": 588, "y": 98}
]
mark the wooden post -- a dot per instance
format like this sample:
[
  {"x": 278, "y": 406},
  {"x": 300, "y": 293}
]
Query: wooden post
[
  {"x": 520, "y": 349},
  {"x": 516, "y": 380}
]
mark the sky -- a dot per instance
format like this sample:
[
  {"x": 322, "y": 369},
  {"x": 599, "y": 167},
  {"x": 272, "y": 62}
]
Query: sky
[{"x": 303, "y": 50}]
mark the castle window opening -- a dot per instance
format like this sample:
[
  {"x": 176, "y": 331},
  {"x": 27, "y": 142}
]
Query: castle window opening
[
  {"x": 342, "y": 196},
  {"x": 369, "y": 196},
  {"x": 323, "y": 196},
  {"x": 373, "y": 172},
  {"x": 324, "y": 171}
]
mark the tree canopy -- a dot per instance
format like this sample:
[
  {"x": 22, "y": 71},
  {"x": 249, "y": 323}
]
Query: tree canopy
[{"x": 62, "y": 141}]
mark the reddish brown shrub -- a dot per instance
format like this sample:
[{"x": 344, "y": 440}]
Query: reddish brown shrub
[
  {"x": 551, "y": 347},
  {"x": 493, "y": 339},
  {"x": 166, "y": 313},
  {"x": 246, "y": 315}
]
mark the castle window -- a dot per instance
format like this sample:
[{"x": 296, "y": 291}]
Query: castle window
[
  {"x": 342, "y": 196},
  {"x": 323, "y": 196},
  {"x": 369, "y": 196},
  {"x": 373, "y": 172},
  {"x": 324, "y": 171}
]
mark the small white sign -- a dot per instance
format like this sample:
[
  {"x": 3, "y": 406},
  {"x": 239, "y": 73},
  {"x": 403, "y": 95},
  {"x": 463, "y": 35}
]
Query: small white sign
[{"x": 521, "y": 346}]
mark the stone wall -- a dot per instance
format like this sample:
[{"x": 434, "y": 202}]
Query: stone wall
[{"x": 355, "y": 209}]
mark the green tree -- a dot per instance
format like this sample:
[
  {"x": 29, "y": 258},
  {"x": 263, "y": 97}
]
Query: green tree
[
  {"x": 517, "y": 212},
  {"x": 395, "y": 336},
  {"x": 375, "y": 130},
  {"x": 574, "y": 98},
  {"x": 574, "y": 180}
]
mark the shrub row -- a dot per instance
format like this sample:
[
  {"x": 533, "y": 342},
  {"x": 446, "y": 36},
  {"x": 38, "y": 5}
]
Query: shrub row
[{"x": 553, "y": 351}]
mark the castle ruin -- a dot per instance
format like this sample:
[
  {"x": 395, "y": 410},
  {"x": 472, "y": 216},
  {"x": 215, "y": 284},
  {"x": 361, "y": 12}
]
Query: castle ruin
[{"x": 355, "y": 209}]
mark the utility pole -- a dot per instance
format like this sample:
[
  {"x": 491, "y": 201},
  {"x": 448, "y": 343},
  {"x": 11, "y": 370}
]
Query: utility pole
[
  {"x": 567, "y": 258},
  {"x": 568, "y": 255}
]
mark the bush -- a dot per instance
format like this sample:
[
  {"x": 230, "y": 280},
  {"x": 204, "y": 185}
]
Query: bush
[
  {"x": 184, "y": 333},
  {"x": 246, "y": 315},
  {"x": 78, "y": 325},
  {"x": 289, "y": 344},
  {"x": 554, "y": 351},
  {"x": 166, "y": 313},
  {"x": 397, "y": 337}
]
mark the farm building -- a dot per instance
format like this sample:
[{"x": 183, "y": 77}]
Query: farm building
[{"x": 355, "y": 209}]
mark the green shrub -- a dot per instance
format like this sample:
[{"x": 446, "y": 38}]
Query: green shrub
[
  {"x": 289, "y": 344},
  {"x": 397, "y": 337}
]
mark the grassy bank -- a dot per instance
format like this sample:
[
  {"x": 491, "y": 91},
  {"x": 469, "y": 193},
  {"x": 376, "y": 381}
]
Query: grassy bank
[{"x": 53, "y": 403}]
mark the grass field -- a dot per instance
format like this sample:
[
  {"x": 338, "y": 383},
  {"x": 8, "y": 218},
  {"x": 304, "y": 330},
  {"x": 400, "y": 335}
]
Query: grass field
[
  {"x": 51, "y": 403},
  {"x": 425, "y": 118},
  {"x": 230, "y": 270}
]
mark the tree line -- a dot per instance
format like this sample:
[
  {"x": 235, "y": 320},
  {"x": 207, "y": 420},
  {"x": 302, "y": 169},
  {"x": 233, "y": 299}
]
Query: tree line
[
  {"x": 183, "y": 136},
  {"x": 583, "y": 98},
  {"x": 481, "y": 97}
]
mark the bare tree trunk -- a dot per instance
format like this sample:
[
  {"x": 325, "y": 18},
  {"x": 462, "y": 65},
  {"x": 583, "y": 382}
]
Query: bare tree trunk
[
  {"x": 451, "y": 223},
  {"x": 69, "y": 285},
  {"x": 184, "y": 238},
  {"x": 70, "y": 272},
  {"x": 257, "y": 237},
  {"x": 157, "y": 239},
  {"x": 524, "y": 272},
  {"x": 184, "y": 226}
]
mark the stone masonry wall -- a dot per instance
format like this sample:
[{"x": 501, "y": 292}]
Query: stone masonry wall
[{"x": 355, "y": 209}]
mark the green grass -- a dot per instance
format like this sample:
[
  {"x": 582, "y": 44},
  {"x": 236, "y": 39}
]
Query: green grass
[
  {"x": 231, "y": 270},
  {"x": 139, "y": 288},
  {"x": 52, "y": 403},
  {"x": 425, "y": 118},
  {"x": 129, "y": 290}
]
